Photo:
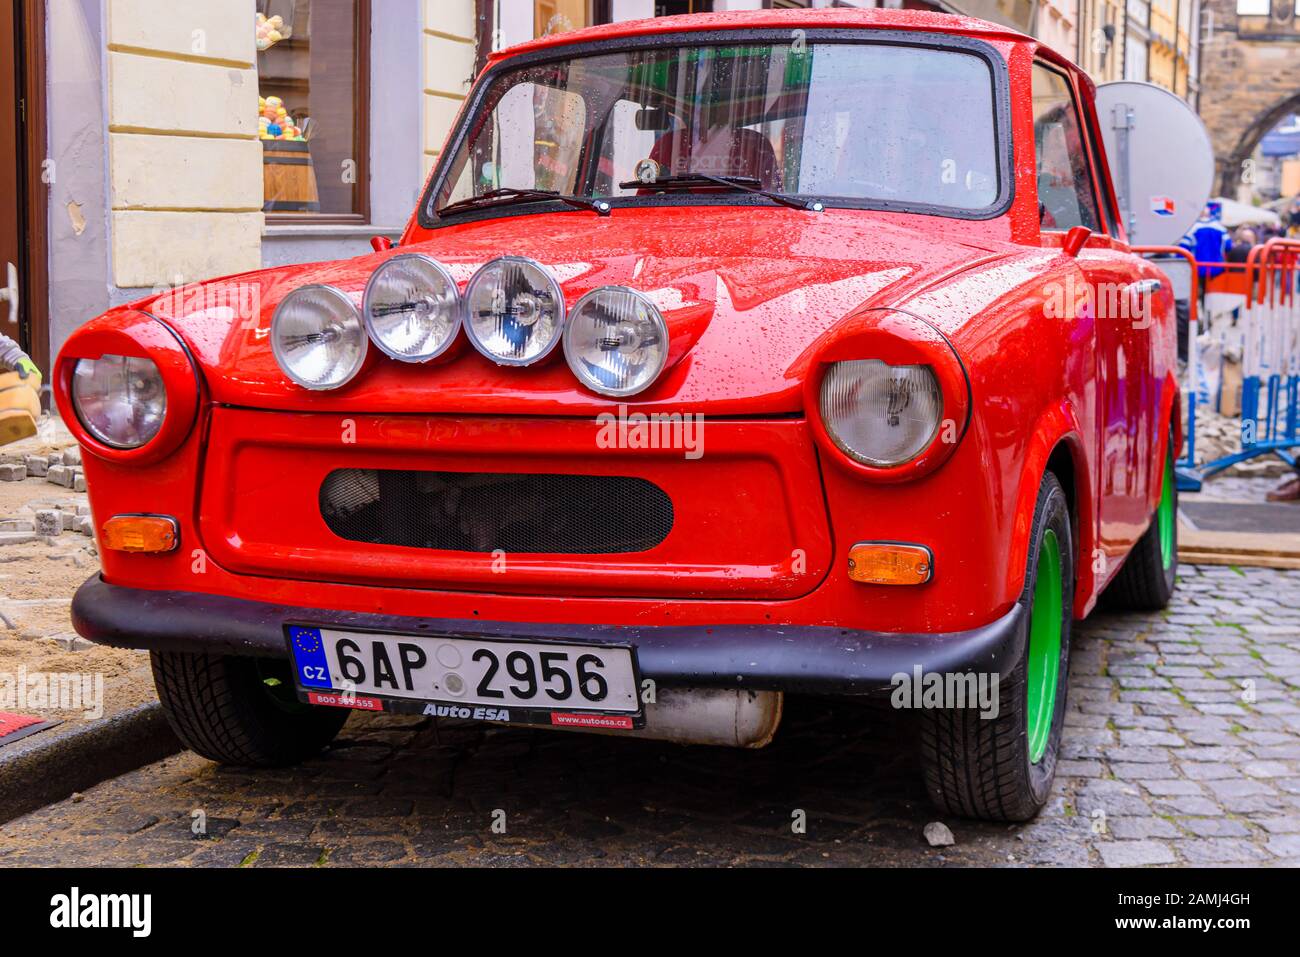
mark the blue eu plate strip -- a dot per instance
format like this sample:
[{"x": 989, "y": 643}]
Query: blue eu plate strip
[{"x": 309, "y": 657}]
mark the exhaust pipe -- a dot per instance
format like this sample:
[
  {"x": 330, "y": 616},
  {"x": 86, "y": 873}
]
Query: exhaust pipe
[{"x": 721, "y": 717}]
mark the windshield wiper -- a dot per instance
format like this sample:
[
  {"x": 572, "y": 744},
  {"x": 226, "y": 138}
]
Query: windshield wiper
[
  {"x": 746, "y": 184},
  {"x": 508, "y": 196}
]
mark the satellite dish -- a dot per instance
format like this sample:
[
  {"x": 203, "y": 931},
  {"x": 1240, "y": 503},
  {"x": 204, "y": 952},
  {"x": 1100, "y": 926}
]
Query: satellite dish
[{"x": 1161, "y": 160}]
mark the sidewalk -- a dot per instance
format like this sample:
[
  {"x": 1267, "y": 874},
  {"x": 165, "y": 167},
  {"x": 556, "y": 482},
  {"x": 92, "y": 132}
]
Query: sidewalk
[
  {"x": 1229, "y": 522},
  {"x": 47, "y": 550}
]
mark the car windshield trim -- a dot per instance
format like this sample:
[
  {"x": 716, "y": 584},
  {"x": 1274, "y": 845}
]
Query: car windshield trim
[{"x": 428, "y": 218}]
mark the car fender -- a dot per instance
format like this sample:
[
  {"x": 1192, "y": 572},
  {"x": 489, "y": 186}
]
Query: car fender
[
  {"x": 1057, "y": 425},
  {"x": 1171, "y": 419}
]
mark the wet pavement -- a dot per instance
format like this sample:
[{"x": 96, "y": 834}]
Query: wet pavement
[{"x": 1182, "y": 746}]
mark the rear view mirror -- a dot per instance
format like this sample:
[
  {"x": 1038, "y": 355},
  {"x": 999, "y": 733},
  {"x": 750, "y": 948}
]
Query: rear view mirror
[{"x": 654, "y": 119}]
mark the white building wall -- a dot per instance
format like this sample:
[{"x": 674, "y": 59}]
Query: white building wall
[
  {"x": 449, "y": 51},
  {"x": 185, "y": 172},
  {"x": 396, "y": 143}
]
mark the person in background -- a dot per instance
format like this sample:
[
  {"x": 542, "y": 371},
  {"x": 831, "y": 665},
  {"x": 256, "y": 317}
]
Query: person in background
[
  {"x": 1292, "y": 219},
  {"x": 1243, "y": 241},
  {"x": 1208, "y": 241},
  {"x": 20, "y": 393}
]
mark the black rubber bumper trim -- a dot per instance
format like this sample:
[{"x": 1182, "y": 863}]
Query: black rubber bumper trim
[{"x": 768, "y": 657}]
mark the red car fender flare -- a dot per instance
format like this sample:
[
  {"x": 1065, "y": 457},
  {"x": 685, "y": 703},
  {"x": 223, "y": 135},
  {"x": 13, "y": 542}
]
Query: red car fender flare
[
  {"x": 1171, "y": 418},
  {"x": 1056, "y": 426},
  {"x": 897, "y": 337},
  {"x": 139, "y": 335}
]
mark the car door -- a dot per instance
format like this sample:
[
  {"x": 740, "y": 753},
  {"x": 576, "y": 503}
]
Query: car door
[{"x": 1069, "y": 197}]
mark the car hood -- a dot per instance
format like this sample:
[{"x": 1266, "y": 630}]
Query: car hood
[{"x": 745, "y": 292}]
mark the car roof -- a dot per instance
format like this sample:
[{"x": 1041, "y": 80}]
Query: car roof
[{"x": 844, "y": 18}]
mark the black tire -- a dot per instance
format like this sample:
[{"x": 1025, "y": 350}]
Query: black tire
[
  {"x": 981, "y": 767},
  {"x": 1144, "y": 581},
  {"x": 240, "y": 711}
]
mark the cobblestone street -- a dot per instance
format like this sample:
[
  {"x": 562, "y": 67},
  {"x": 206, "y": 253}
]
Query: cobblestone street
[{"x": 1182, "y": 747}]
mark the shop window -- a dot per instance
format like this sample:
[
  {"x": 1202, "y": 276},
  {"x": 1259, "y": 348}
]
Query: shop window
[
  {"x": 670, "y": 8},
  {"x": 1011, "y": 13},
  {"x": 561, "y": 16},
  {"x": 313, "y": 81},
  {"x": 1065, "y": 195}
]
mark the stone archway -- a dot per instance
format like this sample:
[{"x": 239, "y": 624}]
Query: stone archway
[
  {"x": 1234, "y": 163},
  {"x": 1249, "y": 81}
]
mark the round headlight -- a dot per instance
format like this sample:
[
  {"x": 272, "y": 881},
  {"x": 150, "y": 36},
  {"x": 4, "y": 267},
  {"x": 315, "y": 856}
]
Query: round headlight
[
  {"x": 514, "y": 311},
  {"x": 412, "y": 308},
  {"x": 318, "y": 337},
  {"x": 121, "y": 400},
  {"x": 878, "y": 414},
  {"x": 616, "y": 341}
]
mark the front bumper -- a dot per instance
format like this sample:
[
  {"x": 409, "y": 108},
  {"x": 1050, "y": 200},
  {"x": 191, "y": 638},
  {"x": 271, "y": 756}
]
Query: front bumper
[{"x": 794, "y": 658}]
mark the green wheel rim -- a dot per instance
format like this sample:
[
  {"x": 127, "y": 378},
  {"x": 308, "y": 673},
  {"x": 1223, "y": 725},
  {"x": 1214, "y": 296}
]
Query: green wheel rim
[
  {"x": 1165, "y": 517},
  {"x": 1044, "y": 663}
]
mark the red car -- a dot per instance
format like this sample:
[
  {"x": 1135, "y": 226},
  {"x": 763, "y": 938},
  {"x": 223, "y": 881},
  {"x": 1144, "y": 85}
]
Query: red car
[{"x": 725, "y": 356}]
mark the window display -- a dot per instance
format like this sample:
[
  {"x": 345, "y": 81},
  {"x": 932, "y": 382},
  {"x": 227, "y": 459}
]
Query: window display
[{"x": 313, "y": 107}]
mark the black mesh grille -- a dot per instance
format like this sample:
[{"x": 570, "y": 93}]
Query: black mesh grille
[{"x": 483, "y": 512}]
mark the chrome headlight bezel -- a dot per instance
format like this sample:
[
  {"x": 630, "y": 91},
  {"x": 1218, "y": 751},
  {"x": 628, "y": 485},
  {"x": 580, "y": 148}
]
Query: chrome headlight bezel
[
  {"x": 348, "y": 307},
  {"x": 573, "y": 357},
  {"x": 367, "y": 308},
  {"x": 551, "y": 286}
]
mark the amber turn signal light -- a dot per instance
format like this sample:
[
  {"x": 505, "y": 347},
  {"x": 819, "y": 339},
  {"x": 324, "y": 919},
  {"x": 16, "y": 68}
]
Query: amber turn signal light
[
  {"x": 890, "y": 563},
  {"x": 142, "y": 534}
]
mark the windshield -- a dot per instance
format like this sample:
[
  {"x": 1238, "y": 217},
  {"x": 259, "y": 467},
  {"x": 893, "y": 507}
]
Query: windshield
[{"x": 859, "y": 122}]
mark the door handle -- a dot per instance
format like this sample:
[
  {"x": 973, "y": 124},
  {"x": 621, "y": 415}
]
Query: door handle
[
  {"x": 9, "y": 293},
  {"x": 1141, "y": 301},
  {"x": 1145, "y": 287}
]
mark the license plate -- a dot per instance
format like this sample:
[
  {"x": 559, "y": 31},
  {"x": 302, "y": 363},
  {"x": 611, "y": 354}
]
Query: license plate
[{"x": 508, "y": 679}]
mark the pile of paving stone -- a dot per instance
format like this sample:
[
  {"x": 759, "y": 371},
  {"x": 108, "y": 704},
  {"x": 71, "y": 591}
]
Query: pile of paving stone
[
  {"x": 46, "y": 518},
  {"x": 58, "y": 468}
]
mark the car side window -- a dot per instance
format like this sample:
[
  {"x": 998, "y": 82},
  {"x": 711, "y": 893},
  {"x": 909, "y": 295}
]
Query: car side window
[{"x": 1066, "y": 197}]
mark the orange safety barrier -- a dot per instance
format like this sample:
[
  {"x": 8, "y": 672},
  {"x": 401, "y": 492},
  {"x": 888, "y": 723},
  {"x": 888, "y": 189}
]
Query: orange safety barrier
[
  {"x": 1269, "y": 282},
  {"x": 1234, "y": 279}
]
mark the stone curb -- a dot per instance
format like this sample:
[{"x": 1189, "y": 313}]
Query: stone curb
[{"x": 51, "y": 765}]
